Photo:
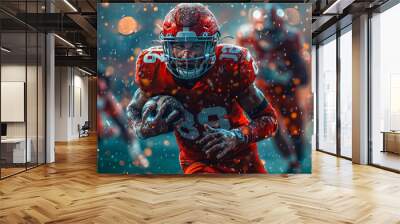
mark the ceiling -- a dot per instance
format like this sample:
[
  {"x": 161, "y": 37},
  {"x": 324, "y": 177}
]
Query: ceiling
[
  {"x": 72, "y": 20},
  {"x": 331, "y": 15}
]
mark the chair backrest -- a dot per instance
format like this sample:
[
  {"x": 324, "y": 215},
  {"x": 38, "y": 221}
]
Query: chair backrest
[{"x": 86, "y": 125}]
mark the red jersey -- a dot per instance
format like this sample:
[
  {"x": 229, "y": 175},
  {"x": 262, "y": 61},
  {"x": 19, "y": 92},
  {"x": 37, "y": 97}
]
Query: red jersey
[{"x": 212, "y": 100}]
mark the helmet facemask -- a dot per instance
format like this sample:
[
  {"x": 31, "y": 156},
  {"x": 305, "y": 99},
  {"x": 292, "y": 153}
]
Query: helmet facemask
[{"x": 189, "y": 56}]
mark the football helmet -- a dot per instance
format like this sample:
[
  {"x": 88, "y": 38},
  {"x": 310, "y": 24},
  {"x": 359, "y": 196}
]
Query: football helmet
[
  {"x": 269, "y": 18},
  {"x": 189, "y": 35},
  {"x": 269, "y": 26}
]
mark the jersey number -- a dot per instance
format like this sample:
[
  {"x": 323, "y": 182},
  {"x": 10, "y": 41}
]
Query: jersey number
[
  {"x": 230, "y": 52},
  {"x": 152, "y": 57},
  {"x": 213, "y": 116}
]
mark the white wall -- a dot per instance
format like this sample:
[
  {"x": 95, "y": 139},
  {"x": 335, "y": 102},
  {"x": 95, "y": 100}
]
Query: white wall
[
  {"x": 33, "y": 127},
  {"x": 13, "y": 73},
  {"x": 80, "y": 100},
  {"x": 71, "y": 94},
  {"x": 16, "y": 73},
  {"x": 61, "y": 104}
]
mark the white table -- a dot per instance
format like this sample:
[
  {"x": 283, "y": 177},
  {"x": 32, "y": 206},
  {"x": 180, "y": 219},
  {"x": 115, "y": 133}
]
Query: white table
[{"x": 17, "y": 145}]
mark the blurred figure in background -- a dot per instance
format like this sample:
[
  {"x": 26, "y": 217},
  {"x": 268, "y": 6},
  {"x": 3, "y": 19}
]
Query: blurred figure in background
[
  {"x": 108, "y": 105},
  {"x": 282, "y": 77}
]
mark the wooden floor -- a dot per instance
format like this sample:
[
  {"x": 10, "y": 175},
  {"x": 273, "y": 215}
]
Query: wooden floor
[
  {"x": 5, "y": 172},
  {"x": 10, "y": 171},
  {"x": 70, "y": 191}
]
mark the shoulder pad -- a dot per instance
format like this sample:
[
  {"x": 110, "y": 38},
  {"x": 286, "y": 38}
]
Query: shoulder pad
[{"x": 147, "y": 66}]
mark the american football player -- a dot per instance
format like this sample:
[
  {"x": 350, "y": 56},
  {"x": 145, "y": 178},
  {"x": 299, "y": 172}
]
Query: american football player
[
  {"x": 282, "y": 76},
  {"x": 107, "y": 105},
  {"x": 205, "y": 92}
]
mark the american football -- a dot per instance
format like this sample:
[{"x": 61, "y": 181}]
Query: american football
[{"x": 165, "y": 106}]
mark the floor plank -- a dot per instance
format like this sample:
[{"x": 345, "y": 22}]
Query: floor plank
[{"x": 70, "y": 191}]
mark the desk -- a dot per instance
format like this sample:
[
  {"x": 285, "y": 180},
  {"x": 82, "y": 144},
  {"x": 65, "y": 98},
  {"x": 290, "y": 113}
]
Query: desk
[
  {"x": 13, "y": 150},
  {"x": 391, "y": 141}
]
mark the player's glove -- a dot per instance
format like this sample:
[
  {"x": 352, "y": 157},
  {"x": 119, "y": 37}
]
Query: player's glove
[
  {"x": 159, "y": 115},
  {"x": 218, "y": 143}
]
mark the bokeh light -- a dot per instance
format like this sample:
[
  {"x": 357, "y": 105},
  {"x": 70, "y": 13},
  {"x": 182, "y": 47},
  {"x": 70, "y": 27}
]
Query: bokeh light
[
  {"x": 257, "y": 14},
  {"x": 293, "y": 16},
  {"x": 127, "y": 25}
]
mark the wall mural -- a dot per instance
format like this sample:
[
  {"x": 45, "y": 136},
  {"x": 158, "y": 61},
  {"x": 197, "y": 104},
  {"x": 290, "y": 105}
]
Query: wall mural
[{"x": 204, "y": 88}]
